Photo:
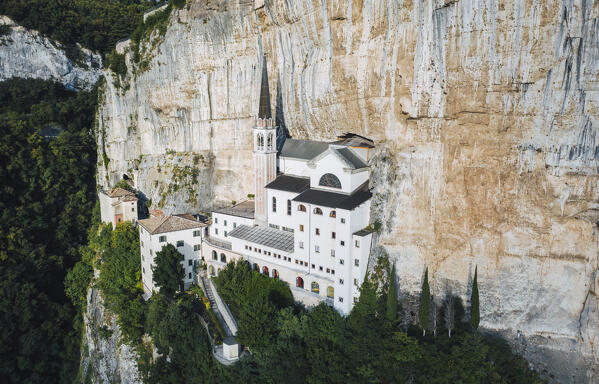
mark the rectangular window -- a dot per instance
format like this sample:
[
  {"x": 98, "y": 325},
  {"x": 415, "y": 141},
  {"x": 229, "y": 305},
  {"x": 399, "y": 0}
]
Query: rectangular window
[
  {"x": 197, "y": 247},
  {"x": 225, "y": 223},
  {"x": 151, "y": 253},
  {"x": 342, "y": 220},
  {"x": 143, "y": 270},
  {"x": 333, "y": 235},
  {"x": 132, "y": 209},
  {"x": 301, "y": 245},
  {"x": 328, "y": 270},
  {"x": 216, "y": 231},
  {"x": 341, "y": 281},
  {"x": 341, "y": 299},
  {"x": 333, "y": 252},
  {"x": 357, "y": 243},
  {"x": 287, "y": 229},
  {"x": 234, "y": 225},
  {"x": 355, "y": 300},
  {"x": 357, "y": 262},
  {"x": 197, "y": 233},
  {"x": 216, "y": 220},
  {"x": 225, "y": 233},
  {"x": 301, "y": 227},
  {"x": 288, "y": 207},
  {"x": 320, "y": 267},
  {"x": 180, "y": 243},
  {"x": 317, "y": 231},
  {"x": 342, "y": 243},
  {"x": 316, "y": 249},
  {"x": 313, "y": 266},
  {"x": 341, "y": 261},
  {"x": 332, "y": 271},
  {"x": 162, "y": 239},
  {"x": 246, "y": 247},
  {"x": 189, "y": 262},
  {"x": 189, "y": 275},
  {"x": 296, "y": 261},
  {"x": 356, "y": 282}
]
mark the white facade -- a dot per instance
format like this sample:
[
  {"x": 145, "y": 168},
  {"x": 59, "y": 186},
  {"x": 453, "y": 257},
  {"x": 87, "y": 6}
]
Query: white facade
[
  {"x": 117, "y": 205},
  {"x": 321, "y": 202},
  {"x": 186, "y": 238}
]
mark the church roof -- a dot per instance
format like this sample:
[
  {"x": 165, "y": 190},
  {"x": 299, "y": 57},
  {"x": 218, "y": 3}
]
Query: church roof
[
  {"x": 266, "y": 236},
  {"x": 244, "y": 209},
  {"x": 334, "y": 199},
  {"x": 350, "y": 158},
  {"x": 164, "y": 224},
  {"x": 289, "y": 183},
  {"x": 303, "y": 149}
]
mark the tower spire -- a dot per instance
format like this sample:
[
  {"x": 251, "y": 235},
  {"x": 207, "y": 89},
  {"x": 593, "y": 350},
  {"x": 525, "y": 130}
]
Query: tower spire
[{"x": 264, "y": 107}]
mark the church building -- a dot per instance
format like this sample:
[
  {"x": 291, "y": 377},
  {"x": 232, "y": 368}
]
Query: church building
[{"x": 308, "y": 227}]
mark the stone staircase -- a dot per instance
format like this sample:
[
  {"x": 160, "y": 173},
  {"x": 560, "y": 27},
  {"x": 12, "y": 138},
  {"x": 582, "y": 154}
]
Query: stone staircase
[{"x": 210, "y": 295}]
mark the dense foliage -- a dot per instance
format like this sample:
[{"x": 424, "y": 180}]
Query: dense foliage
[
  {"x": 168, "y": 272},
  {"x": 120, "y": 279},
  {"x": 96, "y": 24},
  {"x": 292, "y": 345},
  {"x": 47, "y": 197}
]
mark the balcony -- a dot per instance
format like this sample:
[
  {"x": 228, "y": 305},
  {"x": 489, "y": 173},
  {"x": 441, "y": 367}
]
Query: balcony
[{"x": 218, "y": 243}]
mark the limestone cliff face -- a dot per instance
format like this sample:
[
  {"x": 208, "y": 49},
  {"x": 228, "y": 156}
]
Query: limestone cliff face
[
  {"x": 28, "y": 54},
  {"x": 105, "y": 358},
  {"x": 485, "y": 116}
]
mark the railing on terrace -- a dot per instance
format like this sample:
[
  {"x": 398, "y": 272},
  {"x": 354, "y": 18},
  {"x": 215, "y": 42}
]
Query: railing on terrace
[{"x": 218, "y": 243}]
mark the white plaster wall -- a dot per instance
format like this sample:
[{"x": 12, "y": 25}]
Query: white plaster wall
[
  {"x": 106, "y": 209},
  {"x": 280, "y": 217},
  {"x": 152, "y": 245},
  {"x": 218, "y": 222},
  {"x": 331, "y": 164},
  {"x": 294, "y": 167}
]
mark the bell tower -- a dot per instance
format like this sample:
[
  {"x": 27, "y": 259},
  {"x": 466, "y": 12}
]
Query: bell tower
[{"x": 265, "y": 150}]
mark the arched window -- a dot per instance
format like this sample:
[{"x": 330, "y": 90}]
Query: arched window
[
  {"x": 301, "y": 208},
  {"x": 214, "y": 255},
  {"x": 269, "y": 141},
  {"x": 265, "y": 270},
  {"x": 333, "y": 213},
  {"x": 315, "y": 287},
  {"x": 317, "y": 211},
  {"x": 211, "y": 270},
  {"x": 260, "y": 141},
  {"x": 329, "y": 180},
  {"x": 288, "y": 207},
  {"x": 274, "y": 204},
  {"x": 256, "y": 267},
  {"x": 299, "y": 282},
  {"x": 218, "y": 271},
  {"x": 223, "y": 258},
  {"x": 275, "y": 273},
  {"x": 330, "y": 292}
]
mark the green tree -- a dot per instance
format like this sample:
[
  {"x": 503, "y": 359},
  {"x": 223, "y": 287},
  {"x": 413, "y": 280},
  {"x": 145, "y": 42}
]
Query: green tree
[
  {"x": 255, "y": 324},
  {"x": 474, "y": 303},
  {"x": 425, "y": 304},
  {"x": 391, "y": 314},
  {"x": 168, "y": 272}
]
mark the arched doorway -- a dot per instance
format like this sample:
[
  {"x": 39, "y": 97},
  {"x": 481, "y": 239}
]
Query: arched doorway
[
  {"x": 223, "y": 258},
  {"x": 214, "y": 255},
  {"x": 211, "y": 269},
  {"x": 275, "y": 273},
  {"x": 315, "y": 287},
  {"x": 265, "y": 270},
  {"x": 299, "y": 282},
  {"x": 330, "y": 292}
]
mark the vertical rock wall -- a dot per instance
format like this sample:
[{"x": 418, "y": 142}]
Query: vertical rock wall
[{"x": 485, "y": 117}]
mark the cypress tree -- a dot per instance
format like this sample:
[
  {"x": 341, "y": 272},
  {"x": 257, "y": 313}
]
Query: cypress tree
[
  {"x": 392, "y": 297},
  {"x": 474, "y": 303},
  {"x": 425, "y": 304}
]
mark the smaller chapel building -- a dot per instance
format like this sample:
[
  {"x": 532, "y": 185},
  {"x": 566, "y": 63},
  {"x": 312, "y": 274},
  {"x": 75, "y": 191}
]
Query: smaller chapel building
[{"x": 118, "y": 205}]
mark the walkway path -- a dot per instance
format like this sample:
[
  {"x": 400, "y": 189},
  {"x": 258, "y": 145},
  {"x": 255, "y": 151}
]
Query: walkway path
[{"x": 210, "y": 295}]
